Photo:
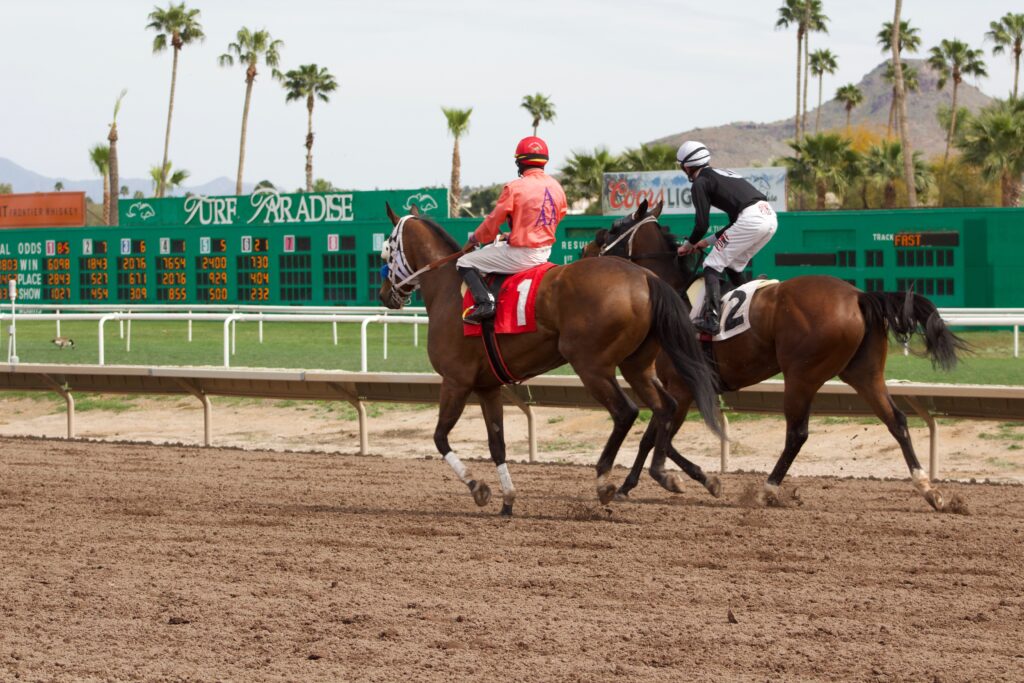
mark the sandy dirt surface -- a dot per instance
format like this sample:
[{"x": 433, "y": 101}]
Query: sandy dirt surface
[
  {"x": 129, "y": 562},
  {"x": 977, "y": 449}
]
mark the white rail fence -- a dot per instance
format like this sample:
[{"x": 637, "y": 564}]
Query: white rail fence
[
  {"x": 357, "y": 388},
  {"x": 229, "y": 316}
]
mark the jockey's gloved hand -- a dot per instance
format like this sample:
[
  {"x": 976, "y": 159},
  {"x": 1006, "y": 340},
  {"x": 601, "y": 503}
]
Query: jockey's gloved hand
[
  {"x": 471, "y": 243},
  {"x": 686, "y": 248}
]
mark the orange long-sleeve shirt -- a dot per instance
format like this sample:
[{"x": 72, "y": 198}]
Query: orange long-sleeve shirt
[{"x": 533, "y": 205}]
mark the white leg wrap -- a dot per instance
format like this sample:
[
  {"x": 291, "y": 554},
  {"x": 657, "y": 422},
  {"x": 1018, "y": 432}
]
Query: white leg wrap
[
  {"x": 461, "y": 471},
  {"x": 505, "y": 479},
  {"x": 920, "y": 479}
]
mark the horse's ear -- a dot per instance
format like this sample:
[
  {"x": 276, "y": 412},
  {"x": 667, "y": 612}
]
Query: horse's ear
[
  {"x": 391, "y": 214},
  {"x": 414, "y": 210},
  {"x": 657, "y": 208},
  {"x": 640, "y": 210}
]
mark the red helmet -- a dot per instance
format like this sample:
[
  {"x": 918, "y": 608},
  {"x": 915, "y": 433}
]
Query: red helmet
[{"x": 532, "y": 151}]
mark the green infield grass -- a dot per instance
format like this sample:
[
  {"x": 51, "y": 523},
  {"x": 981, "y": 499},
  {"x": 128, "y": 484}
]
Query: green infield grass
[{"x": 310, "y": 346}]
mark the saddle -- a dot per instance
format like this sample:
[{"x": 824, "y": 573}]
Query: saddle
[{"x": 515, "y": 298}]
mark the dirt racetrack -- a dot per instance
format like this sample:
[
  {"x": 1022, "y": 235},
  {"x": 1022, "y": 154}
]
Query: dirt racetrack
[{"x": 158, "y": 563}]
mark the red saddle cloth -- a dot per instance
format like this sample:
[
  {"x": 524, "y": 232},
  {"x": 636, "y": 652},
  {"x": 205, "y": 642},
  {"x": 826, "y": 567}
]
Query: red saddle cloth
[{"x": 517, "y": 302}]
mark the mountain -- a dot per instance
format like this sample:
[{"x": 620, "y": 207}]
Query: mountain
[
  {"x": 748, "y": 144},
  {"x": 24, "y": 180}
]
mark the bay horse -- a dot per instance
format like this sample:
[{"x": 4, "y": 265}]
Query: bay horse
[
  {"x": 597, "y": 315},
  {"x": 810, "y": 328}
]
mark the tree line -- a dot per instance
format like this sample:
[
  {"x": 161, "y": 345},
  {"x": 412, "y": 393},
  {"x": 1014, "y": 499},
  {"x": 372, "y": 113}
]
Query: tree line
[
  {"x": 858, "y": 168},
  {"x": 177, "y": 26}
]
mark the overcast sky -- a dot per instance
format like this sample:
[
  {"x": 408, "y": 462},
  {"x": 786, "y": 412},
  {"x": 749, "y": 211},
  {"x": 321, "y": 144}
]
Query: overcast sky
[{"x": 619, "y": 73}]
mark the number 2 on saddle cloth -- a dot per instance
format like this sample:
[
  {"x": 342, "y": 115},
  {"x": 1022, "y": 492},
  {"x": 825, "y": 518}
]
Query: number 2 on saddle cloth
[{"x": 516, "y": 301}]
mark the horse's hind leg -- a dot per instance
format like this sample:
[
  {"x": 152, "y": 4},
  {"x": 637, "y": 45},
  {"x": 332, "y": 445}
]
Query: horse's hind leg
[
  {"x": 693, "y": 470},
  {"x": 494, "y": 411},
  {"x": 797, "y": 409},
  {"x": 606, "y": 391},
  {"x": 871, "y": 387},
  {"x": 453, "y": 402},
  {"x": 664, "y": 420}
]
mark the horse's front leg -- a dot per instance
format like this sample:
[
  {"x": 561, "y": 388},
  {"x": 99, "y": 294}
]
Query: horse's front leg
[
  {"x": 453, "y": 402},
  {"x": 493, "y": 410}
]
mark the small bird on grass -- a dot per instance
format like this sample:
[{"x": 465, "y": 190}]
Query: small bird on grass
[{"x": 64, "y": 342}]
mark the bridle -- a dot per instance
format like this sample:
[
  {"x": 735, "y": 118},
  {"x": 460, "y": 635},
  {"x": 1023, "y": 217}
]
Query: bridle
[
  {"x": 404, "y": 281},
  {"x": 628, "y": 233}
]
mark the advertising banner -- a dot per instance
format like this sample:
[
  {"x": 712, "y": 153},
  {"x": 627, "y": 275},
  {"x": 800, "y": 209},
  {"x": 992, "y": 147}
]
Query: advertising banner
[
  {"x": 267, "y": 206},
  {"x": 622, "y": 192},
  {"x": 42, "y": 209}
]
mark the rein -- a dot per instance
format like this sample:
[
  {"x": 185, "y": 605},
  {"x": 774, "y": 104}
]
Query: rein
[{"x": 628, "y": 233}]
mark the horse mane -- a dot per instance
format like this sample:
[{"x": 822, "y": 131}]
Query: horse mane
[{"x": 439, "y": 231}]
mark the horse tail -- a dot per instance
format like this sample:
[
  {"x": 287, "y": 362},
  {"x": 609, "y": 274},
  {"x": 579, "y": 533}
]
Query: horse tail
[
  {"x": 907, "y": 314},
  {"x": 671, "y": 325}
]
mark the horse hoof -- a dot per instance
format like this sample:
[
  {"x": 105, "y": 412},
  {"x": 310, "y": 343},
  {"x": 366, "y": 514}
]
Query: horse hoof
[
  {"x": 481, "y": 493},
  {"x": 673, "y": 481},
  {"x": 506, "y": 511},
  {"x": 622, "y": 495},
  {"x": 935, "y": 499},
  {"x": 772, "y": 496},
  {"x": 714, "y": 485},
  {"x": 606, "y": 493}
]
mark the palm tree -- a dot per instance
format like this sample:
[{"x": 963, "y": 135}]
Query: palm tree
[
  {"x": 248, "y": 48},
  {"x": 907, "y": 39},
  {"x": 883, "y": 165},
  {"x": 908, "y": 36},
  {"x": 911, "y": 83},
  {"x": 806, "y": 16},
  {"x": 125, "y": 191},
  {"x": 993, "y": 141},
  {"x": 792, "y": 14},
  {"x": 822, "y": 62},
  {"x": 1008, "y": 33},
  {"x": 171, "y": 178},
  {"x": 112, "y": 139},
  {"x": 99, "y": 155},
  {"x": 901, "y": 106},
  {"x": 58, "y": 186},
  {"x": 816, "y": 23},
  {"x": 311, "y": 83},
  {"x": 458, "y": 125},
  {"x": 954, "y": 59},
  {"x": 177, "y": 26},
  {"x": 821, "y": 164},
  {"x": 583, "y": 176},
  {"x": 649, "y": 158},
  {"x": 540, "y": 108},
  {"x": 851, "y": 96}
]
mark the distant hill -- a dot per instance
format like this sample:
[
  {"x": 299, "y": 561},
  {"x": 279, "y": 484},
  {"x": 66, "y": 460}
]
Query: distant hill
[
  {"x": 747, "y": 144},
  {"x": 24, "y": 180}
]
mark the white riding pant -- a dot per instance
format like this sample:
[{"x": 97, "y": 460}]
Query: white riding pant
[
  {"x": 753, "y": 228},
  {"x": 501, "y": 257}
]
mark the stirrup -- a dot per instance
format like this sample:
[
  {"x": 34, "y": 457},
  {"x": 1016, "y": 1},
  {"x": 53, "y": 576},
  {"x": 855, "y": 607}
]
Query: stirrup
[{"x": 480, "y": 313}]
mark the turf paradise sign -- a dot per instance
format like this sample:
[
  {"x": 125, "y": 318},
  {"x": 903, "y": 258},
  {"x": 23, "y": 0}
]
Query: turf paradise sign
[
  {"x": 267, "y": 206},
  {"x": 622, "y": 192}
]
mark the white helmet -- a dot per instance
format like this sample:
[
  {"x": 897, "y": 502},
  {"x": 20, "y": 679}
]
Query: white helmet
[{"x": 693, "y": 154}]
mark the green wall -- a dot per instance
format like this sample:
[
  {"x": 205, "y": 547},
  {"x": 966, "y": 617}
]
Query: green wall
[{"x": 956, "y": 257}]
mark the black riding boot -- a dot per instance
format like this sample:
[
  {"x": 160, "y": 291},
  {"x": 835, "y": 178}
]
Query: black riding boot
[
  {"x": 483, "y": 300},
  {"x": 737, "y": 278},
  {"x": 708, "y": 322}
]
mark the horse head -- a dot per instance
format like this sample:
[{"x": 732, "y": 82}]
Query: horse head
[{"x": 414, "y": 245}]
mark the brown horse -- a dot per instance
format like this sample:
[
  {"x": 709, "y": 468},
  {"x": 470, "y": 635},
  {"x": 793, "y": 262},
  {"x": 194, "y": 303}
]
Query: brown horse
[
  {"x": 597, "y": 315},
  {"x": 810, "y": 328}
]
